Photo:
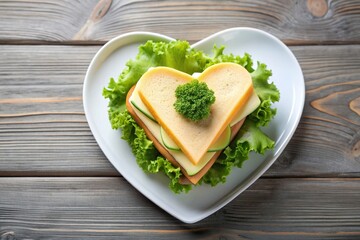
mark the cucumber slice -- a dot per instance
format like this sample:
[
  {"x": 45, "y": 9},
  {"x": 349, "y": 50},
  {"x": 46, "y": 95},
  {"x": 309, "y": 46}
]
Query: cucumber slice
[
  {"x": 222, "y": 142},
  {"x": 167, "y": 141},
  {"x": 142, "y": 108},
  {"x": 139, "y": 105},
  {"x": 143, "y": 111}
]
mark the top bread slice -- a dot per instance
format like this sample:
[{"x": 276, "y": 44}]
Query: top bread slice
[{"x": 232, "y": 86}]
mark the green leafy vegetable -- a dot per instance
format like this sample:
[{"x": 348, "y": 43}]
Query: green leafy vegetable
[
  {"x": 179, "y": 55},
  {"x": 249, "y": 138},
  {"x": 267, "y": 92},
  {"x": 193, "y": 100},
  {"x": 220, "y": 57}
]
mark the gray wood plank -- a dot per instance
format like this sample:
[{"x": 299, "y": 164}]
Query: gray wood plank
[
  {"x": 94, "y": 21},
  {"x": 43, "y": 129},
  {"x": 327, "y": 140},
  {"x": 109, "y": 208}
]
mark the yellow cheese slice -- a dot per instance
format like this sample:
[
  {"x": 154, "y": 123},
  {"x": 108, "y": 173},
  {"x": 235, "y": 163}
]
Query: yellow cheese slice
[
  {"x": 250, "y": 106},
  {"x": 232, "y": 85}
]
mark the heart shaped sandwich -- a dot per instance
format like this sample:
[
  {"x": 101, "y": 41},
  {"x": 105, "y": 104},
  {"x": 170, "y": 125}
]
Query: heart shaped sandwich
[
  {"x": 189, "y": 144},
  {"x": 187, "y": 149}
]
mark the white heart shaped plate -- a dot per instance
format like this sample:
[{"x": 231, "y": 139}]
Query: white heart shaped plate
[{"x": 201, "y": 201}]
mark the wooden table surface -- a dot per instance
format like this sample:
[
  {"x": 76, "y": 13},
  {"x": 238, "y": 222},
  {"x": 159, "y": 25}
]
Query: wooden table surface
[{"x": 55, "y": 182}]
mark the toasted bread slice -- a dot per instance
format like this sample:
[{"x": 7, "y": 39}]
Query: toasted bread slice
[
  {"x": 188, "y": 179},
  {"x": 232, "y": 85}
]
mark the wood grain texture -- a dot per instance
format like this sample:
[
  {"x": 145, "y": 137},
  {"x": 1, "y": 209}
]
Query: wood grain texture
[
  {"x": 328, "y": 137},
  {"x": 55, "y": 182},
  {"x": 92, "y": 21},
  {"x": 43, "y": 129},
  {"x": 109, "y": 208}
]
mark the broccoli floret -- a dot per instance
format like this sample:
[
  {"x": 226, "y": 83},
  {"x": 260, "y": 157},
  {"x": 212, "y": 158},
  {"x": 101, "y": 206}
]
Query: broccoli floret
[{"x": 193, "y": 100}]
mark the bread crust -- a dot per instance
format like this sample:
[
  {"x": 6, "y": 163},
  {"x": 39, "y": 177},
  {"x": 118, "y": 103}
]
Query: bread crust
[{"x": 194, "y": 179}]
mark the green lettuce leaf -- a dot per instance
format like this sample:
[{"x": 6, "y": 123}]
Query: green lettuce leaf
[
  {"x": 220, "y": 57},
  {"x": 268, "y": 94},
  {"x": 249, "y": 138},
  {"x": 263, "y": 88}
]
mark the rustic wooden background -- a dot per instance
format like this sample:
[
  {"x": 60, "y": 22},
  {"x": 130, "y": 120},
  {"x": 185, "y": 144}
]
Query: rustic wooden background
[{"x": 55, "y": 182}]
